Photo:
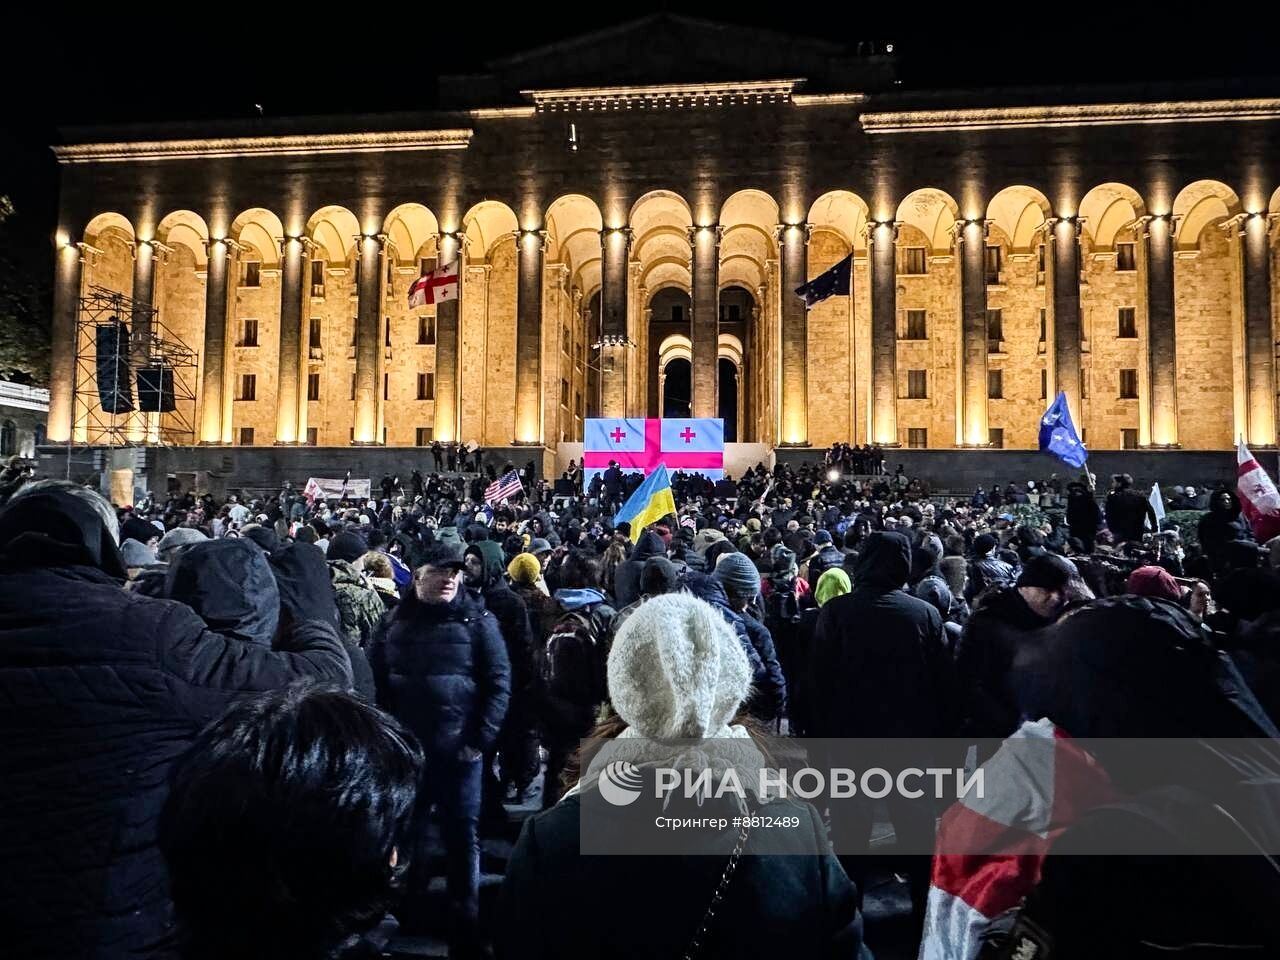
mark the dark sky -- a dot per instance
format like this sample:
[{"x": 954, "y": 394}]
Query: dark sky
[{"x": 340, "y": 57}]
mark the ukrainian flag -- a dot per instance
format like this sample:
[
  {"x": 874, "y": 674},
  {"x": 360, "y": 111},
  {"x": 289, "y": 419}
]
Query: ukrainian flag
[{"x": 651, "y": 502}]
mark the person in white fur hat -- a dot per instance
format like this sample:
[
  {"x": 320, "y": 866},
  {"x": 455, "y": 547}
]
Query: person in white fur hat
[{"x": 676, "y": 672}]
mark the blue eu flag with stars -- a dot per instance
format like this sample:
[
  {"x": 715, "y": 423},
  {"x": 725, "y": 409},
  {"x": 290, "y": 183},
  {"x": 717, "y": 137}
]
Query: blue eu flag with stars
[
  {"x": 1058, "y": 434},
  {"x": 835, "y": 282}
]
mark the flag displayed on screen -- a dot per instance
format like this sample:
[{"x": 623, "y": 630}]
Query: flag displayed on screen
[{"x": 640, "y": 445}]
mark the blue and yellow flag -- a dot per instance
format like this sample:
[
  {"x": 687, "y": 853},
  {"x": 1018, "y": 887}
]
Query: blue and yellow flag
[{"x": 651, "y": 502}]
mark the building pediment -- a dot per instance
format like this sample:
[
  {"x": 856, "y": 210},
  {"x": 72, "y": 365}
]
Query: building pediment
[{"x": 669, "y": 51}]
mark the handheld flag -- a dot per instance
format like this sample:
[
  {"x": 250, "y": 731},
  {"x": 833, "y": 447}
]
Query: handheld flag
[
  {"x": 1157, "y": 505},
  {"x": 651, "y": 502},
  {"x": 504, "y": 488},
  {"x": 835, "y": 282},
  {"x": 1259, "y": 501},
  {"x": 1058, "y": 434}
]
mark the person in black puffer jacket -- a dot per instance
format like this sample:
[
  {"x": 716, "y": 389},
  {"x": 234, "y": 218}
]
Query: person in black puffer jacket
[
  {"x": 441, "y": 669},
  {"x": 100, "y": 691}
]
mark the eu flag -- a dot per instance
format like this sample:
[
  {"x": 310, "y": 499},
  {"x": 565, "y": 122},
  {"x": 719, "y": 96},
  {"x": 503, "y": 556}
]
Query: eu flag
[
  {"x": 835, "y": 282},
  {"x": 1058, "y": 434}
]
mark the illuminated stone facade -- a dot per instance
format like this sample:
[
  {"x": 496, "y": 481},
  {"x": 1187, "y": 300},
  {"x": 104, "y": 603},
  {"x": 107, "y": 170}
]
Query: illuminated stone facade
[{"x": 617, "y": 231}]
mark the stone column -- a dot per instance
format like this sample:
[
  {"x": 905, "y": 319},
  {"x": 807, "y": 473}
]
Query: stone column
[
  {"x": 971, "y": 238},
  {"x": 794, "y": 270},
  {"x": 1259, "y": 341},
  {"x": 292, "y": 349},
  {"x": 1162, "y": 351},
  {"x": 882, "y": 250},
  {"x": 447, "y": 313},
  {"x": 615, "y": 246},
  {"x": 528, "y": 386},
  {"x": 368, "y": 338},
  {"x": 214, "y": 361},
  {"x": 144, "y": 296},
  {"x": 1066, "y": 310},
  {"x": 705, "y": 319},
  {"x": 67, "y": 270}
]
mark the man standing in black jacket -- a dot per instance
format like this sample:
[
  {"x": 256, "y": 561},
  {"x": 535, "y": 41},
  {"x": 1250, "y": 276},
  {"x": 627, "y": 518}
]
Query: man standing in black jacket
[
  {"x": 441, "y": 668},
  {"x": 101, "y": 690},
  {"x": 1083, "y": 514},
  {"x": 518, "y": 742},
  {"x": 881, "y": 669},
  {"x": 1127, "y": 509}
]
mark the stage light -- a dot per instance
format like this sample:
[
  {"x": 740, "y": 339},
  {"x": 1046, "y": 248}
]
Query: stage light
[{"x": 833, "y": 475}]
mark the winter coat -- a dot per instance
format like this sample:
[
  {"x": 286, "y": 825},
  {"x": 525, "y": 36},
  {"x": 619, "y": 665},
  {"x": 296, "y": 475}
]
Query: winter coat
[
  {"x": 782, "y": 900},
  {"x": 563, "y": 719},
  {"x": 230, "y": 586},
  {"x": 360, "y": 610},
  {"x": 999, "y": 626},
  {"x": 1219, "y": 527},
  {"x": 100, "y": 691},
  {"x": 880, "y": 664},
  {"x": 1126, "y": 512},
  {"x": 442, "y": 670},
  {"x": 626, "y": 579},
  {"x": 986, "y": 572},
  {"x": 513, "y": 622},
  {"x": 1083, "y": 516},
  {"x": 769, "y": 687},
  {"x": 827, "y": 557}
]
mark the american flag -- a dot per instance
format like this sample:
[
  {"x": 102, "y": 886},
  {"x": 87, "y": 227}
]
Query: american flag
[{"x": 504, "y": 488}]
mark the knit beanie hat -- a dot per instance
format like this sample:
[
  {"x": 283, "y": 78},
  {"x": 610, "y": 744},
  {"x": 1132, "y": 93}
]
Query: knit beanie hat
[
  {"x": 676, "y": 670},
  {"x": 658, "y": 576},
  {"x": 1049, "y": 571},
  {"x": 833, "y": 583},
  {"x": 525, "y": 568},
  {"x": 738, "y": 575},
  {"x": 1144, "y": 582},
  {"x": 346, "y": 546}
]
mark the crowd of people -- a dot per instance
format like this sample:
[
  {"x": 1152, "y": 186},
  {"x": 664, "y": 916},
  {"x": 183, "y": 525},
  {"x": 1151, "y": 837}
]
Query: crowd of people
[{"x": 234, "y": 726}]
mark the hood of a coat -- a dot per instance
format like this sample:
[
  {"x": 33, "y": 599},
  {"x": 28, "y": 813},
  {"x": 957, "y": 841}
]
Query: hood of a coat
[
  {"x": 884, "y": 562},
  {"x": 708, "y": 588},
  {"x": 57, "y": 529},
  {"x": 490, "y": 554},
  {"x": 230, "y": 586},
  {"x": 649, "y": 545}
]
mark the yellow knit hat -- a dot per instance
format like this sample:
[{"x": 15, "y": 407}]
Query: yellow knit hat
[{"x": 524, "y": 568}]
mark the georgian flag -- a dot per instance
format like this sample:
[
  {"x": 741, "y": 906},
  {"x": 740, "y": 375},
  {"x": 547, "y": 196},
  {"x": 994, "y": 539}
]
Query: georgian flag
[
  {"x": 438, "y": 285},
  {"x": 1259, "y": 501}
]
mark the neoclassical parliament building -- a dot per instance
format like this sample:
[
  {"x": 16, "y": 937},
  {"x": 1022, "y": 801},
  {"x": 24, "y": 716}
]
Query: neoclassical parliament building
[{"x": 632, "y": 211}]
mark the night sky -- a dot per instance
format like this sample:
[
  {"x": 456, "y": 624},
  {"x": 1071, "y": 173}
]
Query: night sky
[{"x": 338, "y": 58}]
